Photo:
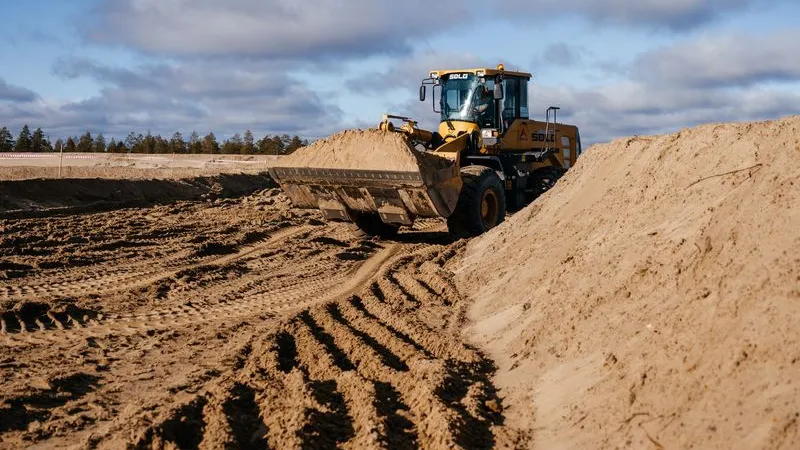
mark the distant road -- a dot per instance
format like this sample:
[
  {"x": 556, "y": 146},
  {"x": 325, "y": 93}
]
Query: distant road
[
  {"x": 133, "y": 159},
  {"x": 20, "y": 166}
]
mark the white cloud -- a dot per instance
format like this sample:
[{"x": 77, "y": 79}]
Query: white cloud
[
  {"x": 563, "y": 54},
  {"x": 307, "y": 29},
  {"x": 740, "y": 59},
  {"x": 669, "y": 14},
  {"x": 13, "y": 93},
  {"x": 163, "y": 98},
  {"x": 630, "y": 108},
  {"x": 406, "y": 72}
]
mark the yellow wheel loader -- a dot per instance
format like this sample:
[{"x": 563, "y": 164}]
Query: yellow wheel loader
[{"x": 497, "y": 159}]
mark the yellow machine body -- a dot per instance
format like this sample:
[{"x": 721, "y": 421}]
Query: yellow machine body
[{"x": 484, "y": 122}]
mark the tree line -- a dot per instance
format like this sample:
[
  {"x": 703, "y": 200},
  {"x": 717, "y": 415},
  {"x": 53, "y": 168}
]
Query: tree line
[{"x": 38, "y": 142}]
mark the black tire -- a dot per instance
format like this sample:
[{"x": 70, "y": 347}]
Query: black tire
[
  {"x": 372, "y": 225},
  {"x": 481, "y": 204},
  {"x": 544, "y": 179},
  {"x": 516, "y": 200}
]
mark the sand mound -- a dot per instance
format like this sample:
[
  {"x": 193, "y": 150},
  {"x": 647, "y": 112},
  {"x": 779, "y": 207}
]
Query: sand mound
[
  {"x": 33, "y": 198},
  {"x": 363, "y": 150},
  {"x": 653, "y": 297}
]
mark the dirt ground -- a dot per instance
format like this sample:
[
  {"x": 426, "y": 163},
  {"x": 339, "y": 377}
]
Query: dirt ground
[
  {"x": 650, "y": 300},
  {"x": 235, "y": 323}
]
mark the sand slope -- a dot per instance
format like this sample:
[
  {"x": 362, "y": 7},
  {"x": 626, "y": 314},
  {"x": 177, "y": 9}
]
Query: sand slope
[{"x": 653, "y": 297}]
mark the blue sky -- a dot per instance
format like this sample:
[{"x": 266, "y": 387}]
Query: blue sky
[{"x": 616, "y": 67}]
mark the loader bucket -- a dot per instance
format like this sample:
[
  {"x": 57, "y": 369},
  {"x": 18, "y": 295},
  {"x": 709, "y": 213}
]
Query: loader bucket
[{"x": 398, "y": 197}]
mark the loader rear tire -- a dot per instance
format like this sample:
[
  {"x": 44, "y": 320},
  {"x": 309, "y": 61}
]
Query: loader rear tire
[
  {"x": 481, "y": 205},
  {"x": 544, "y": 179},
  {"x": 372, "y": 225}
]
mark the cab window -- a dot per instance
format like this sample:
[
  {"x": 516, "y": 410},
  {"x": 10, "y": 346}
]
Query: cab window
[{"x": 515, "y": 103}]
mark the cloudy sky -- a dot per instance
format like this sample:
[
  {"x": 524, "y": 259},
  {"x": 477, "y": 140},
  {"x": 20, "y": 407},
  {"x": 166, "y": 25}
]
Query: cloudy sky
[{"x": 312, "y": 67}]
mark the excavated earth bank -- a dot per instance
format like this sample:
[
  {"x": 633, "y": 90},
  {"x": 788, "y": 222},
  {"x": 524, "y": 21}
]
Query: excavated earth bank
[
  {"x": 40, "y": 197},
  {"x": 652, "y": 299}
]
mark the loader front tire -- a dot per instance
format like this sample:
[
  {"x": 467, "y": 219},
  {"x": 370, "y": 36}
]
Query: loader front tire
[{"x": 481, "y": 205}]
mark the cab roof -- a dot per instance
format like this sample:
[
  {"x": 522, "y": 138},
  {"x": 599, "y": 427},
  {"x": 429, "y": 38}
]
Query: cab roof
[{"x": 489, "y": 72}]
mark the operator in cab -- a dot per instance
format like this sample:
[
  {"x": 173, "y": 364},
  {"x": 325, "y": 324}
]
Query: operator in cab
[{"x": 483, "y": 106}]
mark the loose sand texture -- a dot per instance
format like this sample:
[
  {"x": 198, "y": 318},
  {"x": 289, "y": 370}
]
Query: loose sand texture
[
  {"x": 652, "y": 298},
  {"x": 364, "y": 150},
  {"x": 235, "y": 323}
]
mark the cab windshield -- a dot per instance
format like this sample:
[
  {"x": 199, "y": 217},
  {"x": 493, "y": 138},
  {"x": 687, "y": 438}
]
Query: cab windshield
[{"x": 467, "y": 98}]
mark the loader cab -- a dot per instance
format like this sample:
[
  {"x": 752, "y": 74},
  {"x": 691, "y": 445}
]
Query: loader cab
[
  {"x": 478, "y": 98},
  {"x": 467, "y": 98}
]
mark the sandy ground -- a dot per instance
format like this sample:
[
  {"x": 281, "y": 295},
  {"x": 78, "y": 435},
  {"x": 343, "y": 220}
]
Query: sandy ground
[
  {"x": 20, "y": 166},
  {"x": 235, "y": 323},
  {"x": 652, "y": 299}
]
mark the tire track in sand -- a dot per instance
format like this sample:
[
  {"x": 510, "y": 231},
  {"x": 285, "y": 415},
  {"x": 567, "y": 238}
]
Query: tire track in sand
[
  {"x": 364, "y": 370},
  {"x": 106, "y": 280},
  {"x": 300, "y": 293}
]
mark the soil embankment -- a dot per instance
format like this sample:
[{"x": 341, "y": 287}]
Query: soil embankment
[
  {"x": 652, "y": 298},
  {"x": 39, "y": 197}
]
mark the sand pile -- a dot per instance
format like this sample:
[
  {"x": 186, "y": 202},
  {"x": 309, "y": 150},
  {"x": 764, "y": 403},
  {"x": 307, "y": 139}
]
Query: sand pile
[
  {"x": 653, "y": 297},
  {"x": 363, "y": 150}
]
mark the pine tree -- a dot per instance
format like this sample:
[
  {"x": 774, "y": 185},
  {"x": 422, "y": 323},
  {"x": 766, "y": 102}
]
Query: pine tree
[
  {"x": 278, "y": 144},
  {"x": 71, "y": 147},
  {"x": 41, "y": 143},
  {"x": 140, "y": 146},
  {"x": 132, "y": 141},
  {"x": 100, "y": 143},
  {"x": 195, "y": 146},
  {"x": 249, "y": 145},
  {"x": 162, "y": 146},
  {"x": 176, "y": 144},
  {"x": 148, "y": 144},
  {"x": 85, "y": 143},
  {"x": 294, "y": 144},
  {"x": 38, "y": 141},
  {"x": 7, "y": 143},
  {"x": 24, "y": 143},
  {"x": 210, "y": 145},
  {"x": 285, "y": 141},
  {"x": 233, "y": 146}
]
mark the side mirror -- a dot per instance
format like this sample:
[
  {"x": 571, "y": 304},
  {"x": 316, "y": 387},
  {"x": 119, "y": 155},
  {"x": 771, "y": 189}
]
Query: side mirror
[
  {"x": 498, "y": 91},
  {"x": 423, "y": 91}
]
